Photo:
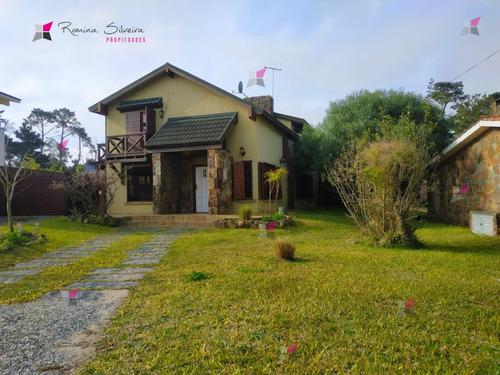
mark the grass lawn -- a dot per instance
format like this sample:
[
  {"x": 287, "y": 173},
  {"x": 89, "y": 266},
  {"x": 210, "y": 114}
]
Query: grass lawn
[{"x": 337, "y": 303}]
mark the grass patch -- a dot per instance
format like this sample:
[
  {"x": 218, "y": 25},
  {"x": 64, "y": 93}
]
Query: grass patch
[
  {"x": 339, "y": 305},
  {"x": 59, "y": 232},
  {"x": 55, "y": 277}
]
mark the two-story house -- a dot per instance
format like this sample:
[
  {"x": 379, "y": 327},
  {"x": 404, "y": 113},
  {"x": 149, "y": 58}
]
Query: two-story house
[{"x": 183, "y": 145}]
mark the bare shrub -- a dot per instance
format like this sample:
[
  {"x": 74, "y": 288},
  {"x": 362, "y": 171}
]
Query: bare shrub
[
  {"x": 379, "y": 183},
  {"x": 91, "y": 193}
]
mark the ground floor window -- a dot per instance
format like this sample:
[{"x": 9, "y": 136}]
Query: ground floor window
[
  {"x": 242, "y": 180},
  {"x": 140, "y": 183}
]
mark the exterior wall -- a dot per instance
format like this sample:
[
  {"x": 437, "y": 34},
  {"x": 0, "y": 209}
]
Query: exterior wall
[
  {"x": 478, "y": 165},
  {"x": 220, "y": 182}
]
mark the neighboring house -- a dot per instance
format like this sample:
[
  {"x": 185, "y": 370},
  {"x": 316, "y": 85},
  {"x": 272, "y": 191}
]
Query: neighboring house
[
  {"x": 471, "y": 167},
  {"x": 5, "y": 99},
  {"x": 183, "y": 145}
]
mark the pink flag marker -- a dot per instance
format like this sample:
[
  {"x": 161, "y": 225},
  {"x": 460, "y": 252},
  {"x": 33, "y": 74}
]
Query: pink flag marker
[
  {"x": 62, "y": 145},
  {"x": 260, "y": 73},
  {"x": 291, "y": 349},
  {"x": 271, "y": 226},
  {"x": 474, "y": 22},
  {"x": 409, "y": 304},
  {"x": 73, "y": 293}
]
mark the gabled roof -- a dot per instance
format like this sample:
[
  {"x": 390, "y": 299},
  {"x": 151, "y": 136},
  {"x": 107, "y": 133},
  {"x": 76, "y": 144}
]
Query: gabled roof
[
  {"x": 474, "y": 132},
  {"x": 193, "y": 131},
  {"x": 169, "y": 69},
  {"x": 6, "y": 99},
  {"x": 131, "y": 105}
]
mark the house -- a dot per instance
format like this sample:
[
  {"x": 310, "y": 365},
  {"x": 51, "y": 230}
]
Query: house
[
  {"x": 467, "y": 177},
  {"x": 183, "y": 145},
  {"x": 5, "y": 99}
]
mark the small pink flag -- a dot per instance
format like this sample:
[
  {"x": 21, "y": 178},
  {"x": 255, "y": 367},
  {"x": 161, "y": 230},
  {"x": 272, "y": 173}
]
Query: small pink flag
[
  {"x": 464, "y": 189},
  {"x": 260, "y": 73},
  {"x": 474, "y": 22},
  {"x": 271, "y": 226},
  {"x": 73, "y": 293},
  {"x": 409, "y": 304},
  {"x": 291, "y": 349},
  {"x": 62, "y": 145}
]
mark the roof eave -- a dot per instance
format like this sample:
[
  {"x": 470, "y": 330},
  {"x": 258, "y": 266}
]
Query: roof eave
[{"x": 475, "y": 131}]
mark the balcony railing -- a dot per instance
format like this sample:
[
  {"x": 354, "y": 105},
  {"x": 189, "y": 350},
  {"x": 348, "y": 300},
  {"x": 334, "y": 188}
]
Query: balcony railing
[{"x": 128, "y": 147}]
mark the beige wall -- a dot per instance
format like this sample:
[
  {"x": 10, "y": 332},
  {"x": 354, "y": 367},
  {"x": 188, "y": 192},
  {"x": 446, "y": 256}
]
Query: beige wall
[{"x": 181, "y": 97}]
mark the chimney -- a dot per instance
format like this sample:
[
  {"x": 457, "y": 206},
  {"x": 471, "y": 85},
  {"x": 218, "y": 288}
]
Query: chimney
[
  {"x": 495, "y": 108},
  {"x": 265, "y": 101}
]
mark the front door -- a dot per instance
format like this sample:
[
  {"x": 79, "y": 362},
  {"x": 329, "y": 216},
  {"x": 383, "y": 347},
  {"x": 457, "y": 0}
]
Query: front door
[{"x": 201, "y": 187}]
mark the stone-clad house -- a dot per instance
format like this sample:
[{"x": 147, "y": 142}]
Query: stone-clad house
[
  {"x": 183, "y": 145},
  {"x": 470, "y": 166}
]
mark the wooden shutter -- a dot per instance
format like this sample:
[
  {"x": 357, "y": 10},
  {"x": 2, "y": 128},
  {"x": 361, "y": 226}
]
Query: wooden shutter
[
  {"x": 239, "y": 180},
  {"x": 150, "y": 122},
  {"x": 133, "y": 122}
]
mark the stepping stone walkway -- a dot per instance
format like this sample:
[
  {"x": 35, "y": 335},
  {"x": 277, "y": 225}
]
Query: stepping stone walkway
[
  {"x": 60, "y": 257},
  {"x": 139, "y": 261}
]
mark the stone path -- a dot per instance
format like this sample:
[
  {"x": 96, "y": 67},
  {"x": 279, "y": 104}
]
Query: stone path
[{"x": 56, "y": 335}]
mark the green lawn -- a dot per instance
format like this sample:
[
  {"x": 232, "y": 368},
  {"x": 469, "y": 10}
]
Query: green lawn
[{"x": 337, "y": 302}]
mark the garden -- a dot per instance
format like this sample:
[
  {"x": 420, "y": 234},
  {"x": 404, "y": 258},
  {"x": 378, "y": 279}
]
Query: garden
[{"x": 342, "y": 306}]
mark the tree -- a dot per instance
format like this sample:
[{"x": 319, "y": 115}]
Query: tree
[
  {"x": 66, "y": 122},
  {"x": 470, "y": 110},
  {"x": 83, "y": 141},
  {"x": 44, "y": 121},
  {"x": 358, "y": 116},
  {"x": 9, "y": 179},
  {"x": 379, "y": 181},
  {"x": 29, "y": 144},
  {"x": 444, "y": 93}
]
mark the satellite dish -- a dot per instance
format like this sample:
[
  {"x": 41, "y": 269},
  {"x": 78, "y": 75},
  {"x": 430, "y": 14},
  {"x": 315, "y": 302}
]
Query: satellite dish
[{"x": 240, "y": 87}]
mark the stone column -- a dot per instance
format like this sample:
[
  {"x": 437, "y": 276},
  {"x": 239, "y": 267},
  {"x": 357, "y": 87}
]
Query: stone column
[
  {"x": 158, "y": 186},
  {"x": 220, "y": 182}
]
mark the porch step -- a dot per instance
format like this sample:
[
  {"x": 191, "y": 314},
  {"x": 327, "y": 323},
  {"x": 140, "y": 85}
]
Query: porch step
[{"x": 173, "y": 220}]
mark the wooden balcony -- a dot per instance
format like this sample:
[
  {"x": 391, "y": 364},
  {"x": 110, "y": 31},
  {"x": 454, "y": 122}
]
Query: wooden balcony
[{"x": 123, "y": 148}]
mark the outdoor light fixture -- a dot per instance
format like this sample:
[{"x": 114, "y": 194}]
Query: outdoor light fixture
[
  {"x": 162, "y": 112},
  {"x": 282, "y": 160},
  {"x": 242, "y": 151}
]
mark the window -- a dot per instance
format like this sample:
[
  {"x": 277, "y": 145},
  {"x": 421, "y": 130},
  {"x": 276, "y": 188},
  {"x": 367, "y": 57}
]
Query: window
[
  {"x": 139, "y": 183},
  {"x": 242, "y": 180}
]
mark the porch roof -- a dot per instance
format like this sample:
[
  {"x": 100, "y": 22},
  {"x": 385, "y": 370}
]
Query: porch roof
[
  {"x": 131, "y": 105},
  {"x": 193, "y": 131}
]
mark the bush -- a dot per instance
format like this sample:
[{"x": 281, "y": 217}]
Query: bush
[
  {"x": 284, "y": 249},
  {"x": 196, "y": 276},
  {"x": 245, "y": 213}
]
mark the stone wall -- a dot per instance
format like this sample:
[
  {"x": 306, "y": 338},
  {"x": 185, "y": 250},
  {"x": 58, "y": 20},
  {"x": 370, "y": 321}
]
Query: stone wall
[
  {"x": 220, "y": 182},
  {"x": 265, "y": 101},
  {"x": 477, "y": 165},
  {"x": 173, "y": 181}
]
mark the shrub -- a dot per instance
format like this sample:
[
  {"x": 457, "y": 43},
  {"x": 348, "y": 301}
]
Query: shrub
[
  {"x": 196, "y": 276},
  {"x": 284, "y": 249},
  {"x": 245, "y": 213}
]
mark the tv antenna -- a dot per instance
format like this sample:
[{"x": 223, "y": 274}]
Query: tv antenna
[
  {"x": 273, "y": 70},
  {"x": 240, "y": 90}
]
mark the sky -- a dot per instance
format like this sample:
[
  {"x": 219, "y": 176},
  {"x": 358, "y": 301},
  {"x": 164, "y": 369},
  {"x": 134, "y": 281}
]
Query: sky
[{"x": 326, "y": 49}]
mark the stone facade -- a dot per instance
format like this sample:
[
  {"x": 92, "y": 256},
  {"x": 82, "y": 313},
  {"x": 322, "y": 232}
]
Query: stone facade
[
  {"x": 220, "y": 182},
  {"x": 173, "y": 181},
  {"x": 476, "y": 164},
  {"x": 265, "y": 101}
]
